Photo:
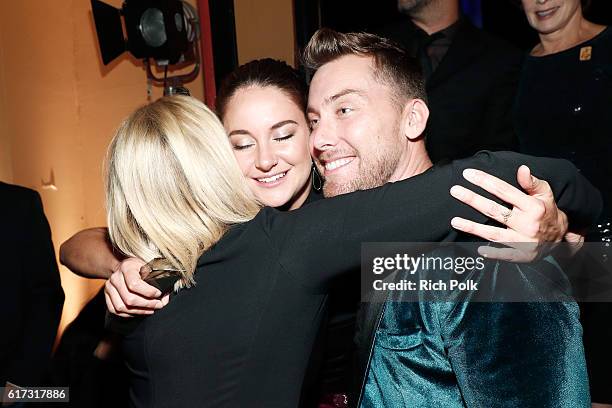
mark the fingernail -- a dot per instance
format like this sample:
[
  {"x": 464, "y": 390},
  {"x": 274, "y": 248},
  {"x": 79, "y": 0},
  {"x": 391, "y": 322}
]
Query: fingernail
[
  {"x": 470, "y": 174},
  {"x": 484, "y": 251},
  {"x": 457, "y": 191},
  {"x": 457, "y": 223}
]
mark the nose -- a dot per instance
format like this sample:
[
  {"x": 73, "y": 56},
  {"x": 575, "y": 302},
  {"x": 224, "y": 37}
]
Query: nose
[
  {"x": 541, "y": 1},
  {"x": 266, "y": 158},
  {"x": 323, "y": 137}
]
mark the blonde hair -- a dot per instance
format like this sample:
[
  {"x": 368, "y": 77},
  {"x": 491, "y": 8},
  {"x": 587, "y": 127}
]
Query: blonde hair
[{"x": 173, "y": 186}]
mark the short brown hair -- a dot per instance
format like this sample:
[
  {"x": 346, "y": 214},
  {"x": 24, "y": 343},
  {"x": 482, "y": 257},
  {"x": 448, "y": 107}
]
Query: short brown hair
[
  {"x": 263, "y": 73},
  {"x": 393, "y": 66}
]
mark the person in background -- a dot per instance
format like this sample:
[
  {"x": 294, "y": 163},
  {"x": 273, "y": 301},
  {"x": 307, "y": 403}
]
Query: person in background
[
  {"x": 470, "y": 76},
  {"x": 562, "y": 109},
  {"x": 32, "y": 298}
]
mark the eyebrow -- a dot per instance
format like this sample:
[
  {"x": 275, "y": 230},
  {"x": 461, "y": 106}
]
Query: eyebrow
[
  {"x": 337, "y": 96},
  {"x": 238, "y": 132},
  {"x": 283, "y": 123},
  {"x": 273, "y": 127}
]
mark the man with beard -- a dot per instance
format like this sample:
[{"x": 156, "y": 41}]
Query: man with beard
[{"x": 367, "y": 111}]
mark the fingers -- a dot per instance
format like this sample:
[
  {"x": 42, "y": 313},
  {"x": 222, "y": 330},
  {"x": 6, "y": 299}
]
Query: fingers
[
  {"x": 130, "y": 270},
  {"x": 519, "y": 249},
  {"x": 531, "y": 184},
  {"x": 508, "y": 254},
  {"x": 114, "y": 302},
  {"x": 487, "y": 232},
  {"x": 576, "y": 241},
  {"x": 483, "y": 205},
  {"x": 499, "y": 188},
  {"x": 130, "y": 299}
]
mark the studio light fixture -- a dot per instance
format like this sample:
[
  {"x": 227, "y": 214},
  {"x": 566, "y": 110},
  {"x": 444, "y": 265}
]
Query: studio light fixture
[{"x": 163, "y": 31}]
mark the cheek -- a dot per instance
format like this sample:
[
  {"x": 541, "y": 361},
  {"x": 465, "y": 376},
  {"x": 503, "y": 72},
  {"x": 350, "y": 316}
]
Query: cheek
[
  {"x": 297, "y": 152},
  {"x": 245, "y": 162}
]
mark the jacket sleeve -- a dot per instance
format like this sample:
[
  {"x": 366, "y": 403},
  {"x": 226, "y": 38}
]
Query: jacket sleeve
[
  {"x": 513, "y": 354},
  {"x": 44, "y": 299},
  {"x": 323, "y": 239}
]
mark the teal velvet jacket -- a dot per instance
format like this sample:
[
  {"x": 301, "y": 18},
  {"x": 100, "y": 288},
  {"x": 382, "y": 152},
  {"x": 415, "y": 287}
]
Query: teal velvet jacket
[{"x": 476, "y": 354}]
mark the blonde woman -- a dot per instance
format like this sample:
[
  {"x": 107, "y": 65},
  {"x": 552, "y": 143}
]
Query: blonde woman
[{"x": 240, "y": 331}]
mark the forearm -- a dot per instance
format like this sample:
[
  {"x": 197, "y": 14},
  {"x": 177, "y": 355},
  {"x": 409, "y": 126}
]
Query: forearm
[{"x": 90, "y": 254}]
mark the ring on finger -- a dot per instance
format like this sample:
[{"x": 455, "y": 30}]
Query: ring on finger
[{"x": 506, "y": 216}]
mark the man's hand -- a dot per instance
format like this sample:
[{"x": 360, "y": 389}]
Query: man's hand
[
  {"x": 127, "y": 294},
  {"x": 534, "y": 222}
]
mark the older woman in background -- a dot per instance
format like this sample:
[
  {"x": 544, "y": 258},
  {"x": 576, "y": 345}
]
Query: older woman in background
[{"x": 563, "y": 109}]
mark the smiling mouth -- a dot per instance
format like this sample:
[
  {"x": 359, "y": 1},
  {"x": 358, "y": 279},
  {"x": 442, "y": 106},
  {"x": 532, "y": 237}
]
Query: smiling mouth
[
  {"x": 272, "y": 179},
  {"x": 336, "y": 164},
  {"x": 546, "y": 13}
]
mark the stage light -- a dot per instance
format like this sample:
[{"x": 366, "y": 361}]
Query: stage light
[{"x": 165, "y": 31}]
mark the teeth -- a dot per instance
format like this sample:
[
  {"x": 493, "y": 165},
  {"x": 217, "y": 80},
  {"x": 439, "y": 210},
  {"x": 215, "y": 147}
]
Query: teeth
[
  {"x": 272, "y": 179},
  {"x": 337, "y": 163},
  {"x": 545, "y": 13}
]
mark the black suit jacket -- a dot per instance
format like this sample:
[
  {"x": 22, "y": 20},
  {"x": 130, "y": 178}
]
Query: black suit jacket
[
  {"x": 32, "y": 296},
  {"x": 470, "y": 94}
]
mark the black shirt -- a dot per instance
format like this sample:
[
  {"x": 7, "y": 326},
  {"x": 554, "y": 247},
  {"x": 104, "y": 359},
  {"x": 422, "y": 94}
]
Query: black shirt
[
  {"x": 471, "y": 88},
  {"x": 243, "y": 335},
  {"x": 564, "y": 109}
]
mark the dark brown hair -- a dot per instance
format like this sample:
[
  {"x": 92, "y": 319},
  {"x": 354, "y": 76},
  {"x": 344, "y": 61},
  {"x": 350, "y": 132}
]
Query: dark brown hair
[
  {"x": 392, "y": 65},
  {"x": 263, "y": 72}
]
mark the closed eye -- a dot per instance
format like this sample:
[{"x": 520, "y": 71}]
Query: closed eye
[
  {"x": 242, "y": 147},
  {"x": 281, "y": 138}
]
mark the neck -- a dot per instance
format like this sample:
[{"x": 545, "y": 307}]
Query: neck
[
  {"x": 576, "y": 31},
  {"x": 413, "y": 162},
  {"x": 436, "y": 16},
  {"x": 299, "y": 199}
]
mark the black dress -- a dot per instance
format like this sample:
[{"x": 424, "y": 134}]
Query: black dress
[
  {"x": 564, "y": 109},
  {"x": 242, "y": 337}
]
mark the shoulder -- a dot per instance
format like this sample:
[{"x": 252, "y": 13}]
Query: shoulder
[
  {"x": 16, "y": 191},
  {"x": 17, "y": 197},
  {"x": 605, "y": 39}
]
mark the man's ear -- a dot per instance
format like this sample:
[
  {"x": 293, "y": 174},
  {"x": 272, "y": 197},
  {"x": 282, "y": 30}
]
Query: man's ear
[{"x": 415, "y": 117}]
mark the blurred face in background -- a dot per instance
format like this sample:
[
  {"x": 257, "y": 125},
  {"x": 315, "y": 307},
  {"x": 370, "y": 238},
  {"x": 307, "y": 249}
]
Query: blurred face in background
[
  {"x": 549, "y": 16},
  {"x": 411, "y": 6},
  {"x": 269, "y": 135}
]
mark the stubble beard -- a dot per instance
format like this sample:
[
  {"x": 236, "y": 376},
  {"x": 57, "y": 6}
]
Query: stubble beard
[{"x": 373, "y": 172}]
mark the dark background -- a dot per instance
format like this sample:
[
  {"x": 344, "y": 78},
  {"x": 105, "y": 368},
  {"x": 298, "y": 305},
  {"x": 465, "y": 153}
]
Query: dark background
[{"x": 504, "y": 18}]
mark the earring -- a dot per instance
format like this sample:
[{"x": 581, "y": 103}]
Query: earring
[{"x": 317, "y": 180}]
